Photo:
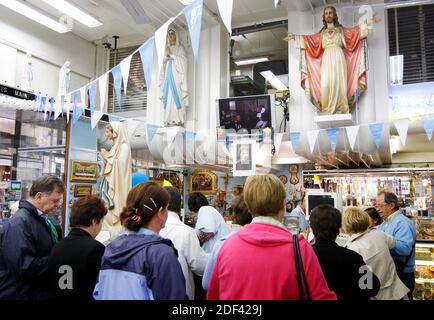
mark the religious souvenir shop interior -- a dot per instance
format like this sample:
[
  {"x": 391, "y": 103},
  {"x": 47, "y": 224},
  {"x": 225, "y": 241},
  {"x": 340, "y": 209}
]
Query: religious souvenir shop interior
[{"x": 202, "y": 94}]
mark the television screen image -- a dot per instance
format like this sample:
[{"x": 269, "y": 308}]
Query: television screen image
[{"x": 251, "y": 112}]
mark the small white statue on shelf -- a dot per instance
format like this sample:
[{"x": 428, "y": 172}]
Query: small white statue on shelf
[
  {"x": 64, "y": 78},
  {"x": 27, "y": 75}
]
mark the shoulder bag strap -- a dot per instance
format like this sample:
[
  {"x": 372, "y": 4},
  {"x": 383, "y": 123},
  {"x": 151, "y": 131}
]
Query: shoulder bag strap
[{"x": 303, "y": 287}]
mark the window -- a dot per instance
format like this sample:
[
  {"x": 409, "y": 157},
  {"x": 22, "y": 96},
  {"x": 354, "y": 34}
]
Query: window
[
  {"x": 411, "y": 33},
  {"x": 136, "y": 97}
]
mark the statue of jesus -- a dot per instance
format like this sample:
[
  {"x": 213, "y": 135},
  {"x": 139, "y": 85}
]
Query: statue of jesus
[{"x": 334, "y": 63}]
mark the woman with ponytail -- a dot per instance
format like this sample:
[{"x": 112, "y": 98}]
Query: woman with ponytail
[{"x": 139, "y": 264}]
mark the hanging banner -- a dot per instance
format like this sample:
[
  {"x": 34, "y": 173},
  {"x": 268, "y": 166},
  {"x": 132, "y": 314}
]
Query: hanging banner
[
  {"x": 67, "y": 106},
  {"x": 333, "y": 134},
  {"x": 376, "y": 129},
  {"x": 312, "y": 136},
  {"x": 150, "y": 132},
  {"x": 113, "y": 118},
  {"x": 352, "y": 133},
  {"x": 75, "y": 112},
  {"x": 160, "y": 41},
  {"x": 147, "y": 56},
  {"x": 117, "y": 83},
  {"x": 43, "y": 101},
  {"x": 278, "y": 142},
  {"x": 62, "y": 105},
  {"x": 295, "y": 138},
  {"x": 225, "y": 9},
  {"x": 36, "y": 104},
  {"x": 83, "y": 99},
  {"x": 92, "y": 95},
  {"x": 193, "y": 15},
  {"x": 102, "y": 86},
  {"x": 95, "y": 117},
  {"x": 125, "y": 71},
  {"x": 57, "y": 107},
  {"x": 428, "y": 124},
  {"x": 401, "y": 126}
]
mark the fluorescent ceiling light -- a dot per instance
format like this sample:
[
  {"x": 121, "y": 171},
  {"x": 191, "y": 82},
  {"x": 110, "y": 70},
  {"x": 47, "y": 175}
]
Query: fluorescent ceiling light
[
  {"x": 29, "y": 12},
  {"x": 243, "y": 62},
  {"x": 186, "y": 2},
  {"x": 273, "y": 80},
  {"x": 74, "y": 12}
]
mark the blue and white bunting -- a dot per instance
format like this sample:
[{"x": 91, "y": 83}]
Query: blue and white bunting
[
  {"x": 36, "y": 103},
  {"x": 151, "y": 130},
  {"x": 147, "y": 56},
  {"x": 43, "y": 101},
  {"x": 193, "y": 15},
  {"x": 113, "y": 118},
  {"x": 401, "y": 126},
  {"x": 83, "y": 100},
  {"x": 102, "y": 86},
  {"x": 95, "y": 117},
  {"x": 117, "y": 83},
  {"x": 67, "y": 106},
  {"x": 352, "y": 133},
  {"x": 125, "y": 71},
  {"x": 76, "y": 113},
  {"x": 62, "y": 105},
  {"x": 333, "y": 134},
  {"x": 312, "y": 136},
  {"x": 428, "y": 124},
  {"x": 376, "y": 129},
  {"x": 225, "y": 9},
  {"x": 92, "y": 95},
  {"x": 295, "y": 138},
  {"x": 190, "y": 139}
]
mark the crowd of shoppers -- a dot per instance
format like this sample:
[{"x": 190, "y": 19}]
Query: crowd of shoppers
[{"x": 157, "y": 257}]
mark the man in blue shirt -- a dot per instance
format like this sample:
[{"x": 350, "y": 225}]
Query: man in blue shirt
[
  {"x": 404, "y": 232},
  {"x": 299, "y": 212}
]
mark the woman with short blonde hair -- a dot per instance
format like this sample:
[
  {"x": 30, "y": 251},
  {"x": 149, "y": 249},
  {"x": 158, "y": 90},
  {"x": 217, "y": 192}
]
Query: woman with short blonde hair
[
  {"x": 264, "y": 251},
  {"x": 373, "y": 246}
]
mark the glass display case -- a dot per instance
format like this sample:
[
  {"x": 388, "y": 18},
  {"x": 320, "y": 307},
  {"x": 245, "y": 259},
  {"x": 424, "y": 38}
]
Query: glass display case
[
  {"x": 424, "y": 271},
  {"x": 424, "y": 229}
]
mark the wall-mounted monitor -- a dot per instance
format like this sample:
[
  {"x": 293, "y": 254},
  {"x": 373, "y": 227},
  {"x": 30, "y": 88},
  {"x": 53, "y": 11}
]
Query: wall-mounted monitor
[{"x": 246, "y": 112}]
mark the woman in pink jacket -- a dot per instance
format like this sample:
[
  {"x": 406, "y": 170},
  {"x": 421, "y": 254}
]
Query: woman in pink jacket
[{"x": 258, "y": 263}]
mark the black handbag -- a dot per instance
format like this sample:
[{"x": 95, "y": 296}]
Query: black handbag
[{"x": 303, "y": 288}]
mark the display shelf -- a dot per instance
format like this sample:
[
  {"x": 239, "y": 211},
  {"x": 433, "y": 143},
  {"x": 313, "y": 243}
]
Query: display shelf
[{"x": 424, "y": 263}]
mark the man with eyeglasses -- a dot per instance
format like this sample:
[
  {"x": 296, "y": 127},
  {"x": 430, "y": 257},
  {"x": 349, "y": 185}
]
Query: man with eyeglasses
[
  {"x": 26, "y": 242},
  {"x": 404, "y": 233}
]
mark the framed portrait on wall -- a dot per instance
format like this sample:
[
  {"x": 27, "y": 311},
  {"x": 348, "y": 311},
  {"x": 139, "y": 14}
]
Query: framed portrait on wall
[
  {"x": 83, "y": 171},
  {"x": 243, "y": 158},
  {"x": 204, "y": 181},
  {"x": 82, "y": 191}
]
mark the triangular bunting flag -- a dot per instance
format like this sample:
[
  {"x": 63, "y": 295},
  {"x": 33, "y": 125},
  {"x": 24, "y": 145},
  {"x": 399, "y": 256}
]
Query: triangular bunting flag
[
  {"x": 160, "y": 41},
  {"x": 428, "y": 124},
  {"x": 125, "y": 71},
  {"x": 46, "y": 109},
  {"x": 83, "y": 101},
  {"x": 75, "y": 112},
  {"x": 147, "y": 56},
  {"x": 401, "y": 126},
  {"x": 193, "y": 15},
  {"x": 117, "y": 83},
  {"x": 95, "y": 117},
  {"x": 36, "y": 104},
  {"x": 102, "y": 86},
  {"x": 189, "y": 138},
  {"x": 132, "y": 125},
  {"x": 333, "y": 134},
  {"x": 113, "y": 118},
  {"x": 278, "y": 142},
  {"x": 62, "y": 105},
  {"x": 376, "y": 129},
  {"x": 67, "y": 106},
  {"x": 295, "y": 138},
  {"x": 170, "y": 135},
  {"x": 43, "y": 101},
  {"x": 150, "y": 132},
  {"x": 312, "y": 136},
  {"x": 92, "y": 95},
  {"x": 57, "y": 107},
  {"x": 352, "y": 133},
  {"x": 225, "y": 9}
]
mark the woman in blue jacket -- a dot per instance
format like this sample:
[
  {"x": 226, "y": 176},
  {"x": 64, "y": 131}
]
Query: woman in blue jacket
[{"x": 139, "y": 264}]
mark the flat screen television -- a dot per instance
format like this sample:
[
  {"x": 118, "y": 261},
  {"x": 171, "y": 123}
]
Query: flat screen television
[{"x": 246, "y": 112}]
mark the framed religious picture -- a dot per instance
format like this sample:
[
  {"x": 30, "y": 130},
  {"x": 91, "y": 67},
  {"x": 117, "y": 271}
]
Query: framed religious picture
[
  {"x": 82, "y": 190},
  {"x": 243, "y": 158},
  {"x": 82, "y": 171},
  {"x": 204, "y": 181},
  {"x": 283, "y": 178}
]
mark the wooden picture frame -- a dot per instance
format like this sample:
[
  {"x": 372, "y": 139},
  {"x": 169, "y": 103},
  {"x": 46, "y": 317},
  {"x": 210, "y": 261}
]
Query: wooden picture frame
[
  {"x": 83, "y": 171},
  {"x": 82, "y": 191},
  {"x": 204, "y": 181}
]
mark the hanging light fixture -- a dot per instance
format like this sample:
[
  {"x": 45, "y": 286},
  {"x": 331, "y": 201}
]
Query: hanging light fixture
[{"x": 74, "y": 12}]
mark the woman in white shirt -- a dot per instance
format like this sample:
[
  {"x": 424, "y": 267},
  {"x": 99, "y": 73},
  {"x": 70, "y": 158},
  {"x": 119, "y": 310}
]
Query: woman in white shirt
[{"x": 373, "y": 245}]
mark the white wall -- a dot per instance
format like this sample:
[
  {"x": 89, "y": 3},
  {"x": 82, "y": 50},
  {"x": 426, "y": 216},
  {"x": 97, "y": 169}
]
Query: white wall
[
  {"x": 372, "y": 107},
  {"x": 49, "y": 49}
]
